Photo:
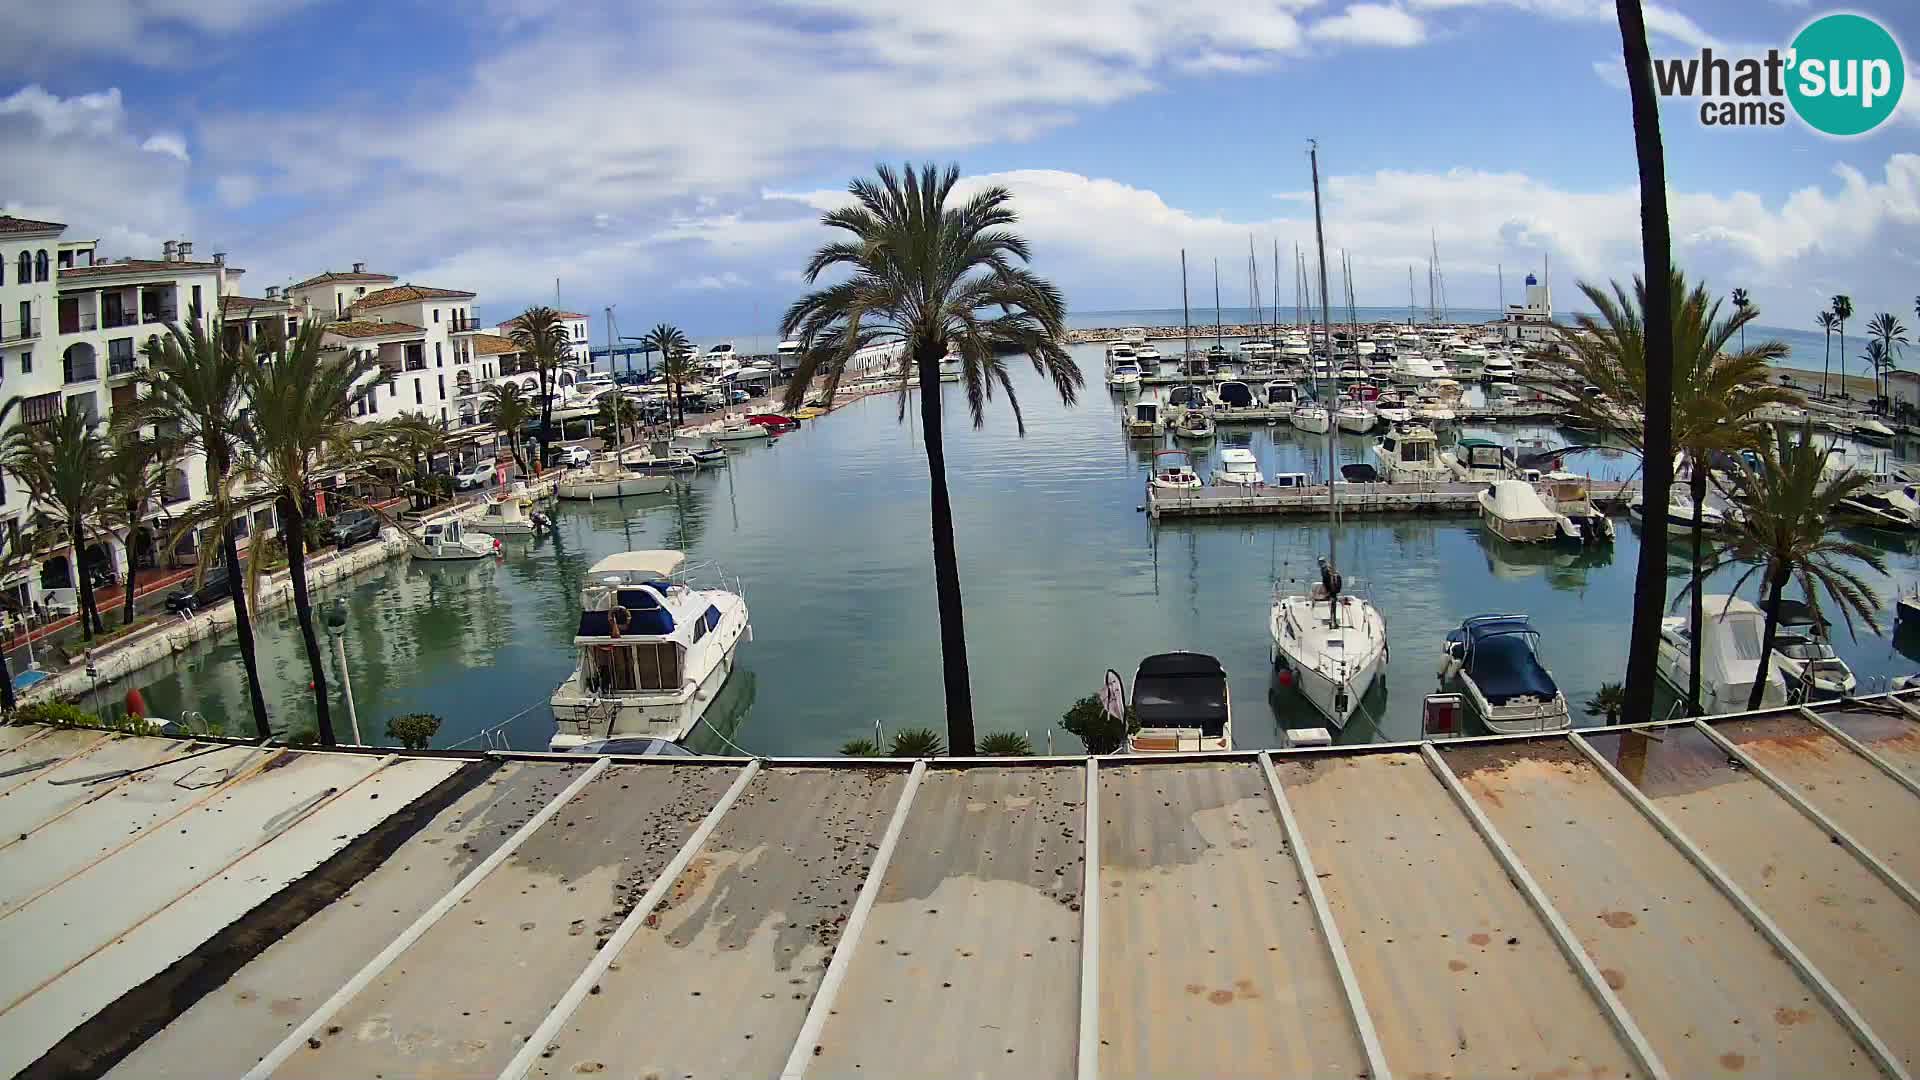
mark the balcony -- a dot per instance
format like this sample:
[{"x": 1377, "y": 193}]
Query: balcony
[
  {"x": 19, "y": 329},
  {"x": 466, "y": 325},
  {"x": 120, "y": 366},
  {"x": 81, "y": 371},
  {"x": 161, "y": 315},
  {"x": 40, "y": 408},
  {"x": 416, "y": 365},
  {"x": 113, "y": 320},
  {"x": 77, "y": 322}
]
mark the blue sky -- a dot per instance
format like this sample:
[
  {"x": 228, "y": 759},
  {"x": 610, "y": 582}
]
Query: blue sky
[{"x": 673, "y": 158}]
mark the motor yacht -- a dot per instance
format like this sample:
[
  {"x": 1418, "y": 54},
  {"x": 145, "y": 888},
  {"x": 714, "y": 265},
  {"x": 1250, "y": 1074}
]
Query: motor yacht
[
  {"x": 1804, "y": 655},
  {"x": 1183, "y": 704},
  {"x": 1480, "y": 461},
  {"x": 1145, "y": 420},
  {"x": 1515, "y": 512},
  {"x": 448, "y": 541},
  {"x": 1237, "y": 466},
  {"x": 1173, "y": 471},
  {"x": 1495, "y": 659},
  {"x": 1410, "y": 454},
  {"x": 1729, "y": 655}
]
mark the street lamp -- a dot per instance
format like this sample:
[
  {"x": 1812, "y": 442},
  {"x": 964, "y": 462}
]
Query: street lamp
[{"x": 337, "y": 629}]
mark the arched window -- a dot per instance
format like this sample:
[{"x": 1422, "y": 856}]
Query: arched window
[
  {"x": 40, "y": 265},
  {"x": 25, "y": 272}
]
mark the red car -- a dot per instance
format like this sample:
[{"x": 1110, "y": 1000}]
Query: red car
[{"x": 774, "y": 422}]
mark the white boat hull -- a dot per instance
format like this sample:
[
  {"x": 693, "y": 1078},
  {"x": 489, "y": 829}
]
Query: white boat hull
[
  {"x": 614, "y": 487},
  {"x": 1334, "y": 690},
  {"x": 581, "y": 716},
  {"x": 1313, "y": 422},
  {"x": 749, "y": 433}
]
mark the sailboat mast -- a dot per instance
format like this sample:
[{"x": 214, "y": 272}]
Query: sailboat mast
[
  {"x": 1409, "y": 295},
  {"x": 1216, "y": 301},
  {"x": 1186, "y": 318},
  {"x": 1326, "y": 316},
  {"x": 1501, "y": 273},
  {"x": 1274, "y": 338},
  {"x": 1299, "y": 290}
]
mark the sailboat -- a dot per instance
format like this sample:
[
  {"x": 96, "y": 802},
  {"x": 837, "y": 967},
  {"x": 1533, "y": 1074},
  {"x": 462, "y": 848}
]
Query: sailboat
[{"x": 1331, "y": 645}]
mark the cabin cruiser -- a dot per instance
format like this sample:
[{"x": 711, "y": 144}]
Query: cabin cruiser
[
  {"x": 1479, "y": 461},
  {"x": 1730, "y": 637},
  {"x": 1515, "y": 512},
  {"x": 787, "y": 354},
  {"x": 1237, "y": 466},
  {"x": 726, "y": 429},
  {"x": 1195, "y": 425},
  {"x": 1495, "y": 659},
  {"x": 447, "y": 541},
  {"x": 1804, "y": 656},
  {"x": 1894, "y": 508},
  {"x": 1392, "y": 409},
  {"x": 1182, "y": 703},
  {"x": 1282, "y": 394},
  {"x": 1410, "y": 454},
  {"x": 1330, "y": 645},
  {"x": 1497, "y": 367},
  {"x": 670, "y": 459},
  {"x": 509, "y": 517},
  {"x": 1679, "y": 515},
  {"x": 1234, "y": 395},
  {"x": 1582, "y": 524},
  {"x": 1312, "y": 416},
  {"x": 1145, "y": 421},
  {"x": 606, "y": 478},
  {"x": 654, "y": 651},
  {"x": 1124, "y": 376},
  {"x": 1468, "y": 360},
  {"x": 1355, "y": 417},
  {"x": 1146, "y": 354},
  {"x": 1869, "y": 430},
  {"x": 1119, "y": 351},
  {"x": 1173, "y": 471}
]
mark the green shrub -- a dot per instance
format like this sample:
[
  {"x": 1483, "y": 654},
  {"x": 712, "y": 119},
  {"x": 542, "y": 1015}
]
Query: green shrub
[
  {"x": 859, "y": 748},
  {"x": 1609, "y": 701},
  {"x": 1100, "y": 733},
  {"x": 1005, "y": 744},
  {"x": 917, "y": 743},
  {"x": 413, "y": 730},
  {"x": 55, "y": 712}
]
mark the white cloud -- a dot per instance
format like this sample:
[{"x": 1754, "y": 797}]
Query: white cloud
[
  {"x": 153, "y": 32},
  {"x": 1370, "y": 24},
  {"x": 74, "y": 160},
  {"x": 91, "y": 115},
  {"x": 171, "y": 143},
  {"x": 1611, "y": 72},
  {"x": 236, "y": 189},
  {"x": 725, "y": 280},
  {"x": 1662, "y": 22}
]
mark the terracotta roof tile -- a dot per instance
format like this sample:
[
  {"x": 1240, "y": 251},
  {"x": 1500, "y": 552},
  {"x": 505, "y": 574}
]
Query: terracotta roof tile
[
  {"x": 492, "y": 345},
  {"x": 140, "y": 266},
  {"x": 341, "y": 275},
  {"x": 402, "y": 294},
  {"x": 363, "y": 329},
  {"x": 11, "y": 224},
  {"x": 242, "y": 304}
]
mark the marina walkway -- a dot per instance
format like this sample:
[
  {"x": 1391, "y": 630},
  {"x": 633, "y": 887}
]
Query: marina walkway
[
  {"x": 1233, "y": 500},
  {"x": 1685, "y": 899}
]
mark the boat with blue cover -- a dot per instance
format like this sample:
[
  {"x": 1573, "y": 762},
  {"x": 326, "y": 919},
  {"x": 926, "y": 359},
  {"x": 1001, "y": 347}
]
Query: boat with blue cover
[{"x": 1496, "y": 661}]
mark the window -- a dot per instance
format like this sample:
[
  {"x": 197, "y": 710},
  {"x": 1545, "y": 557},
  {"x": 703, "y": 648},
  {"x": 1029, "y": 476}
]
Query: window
[
  {"x": 26, "y": 363},
  {"x": 436, "y": 318},
  {"x": 84, "y": 405},
  {"x": 293, "y": 326},
  {"x": 442, "y": 381},
  {"x": 40, "y": 265},
  {"x": 436, "y": 355},
  {"x": 650, "y": 666},
  {"x": 195, "y": 312},
  {"x": 418, "y": 397},
  {"x": 26, "y": 318},
  {"x": 24, "y": 271},
  {"x": 66, "y": 260}
]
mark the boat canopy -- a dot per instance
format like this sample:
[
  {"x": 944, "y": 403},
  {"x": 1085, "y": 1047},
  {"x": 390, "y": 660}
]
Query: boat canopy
[
  {"x": 1236, "y": 394},
  {"x": 647, "y": 615},
  {"x": 1182, "y": 455},
  {"x": 1235, "y": 455},
  {"x": 1181, "y": 690},
  {"x": 1515, "y": 500},
  {"x": 1501, "y": 661},
  {"x": 647, "y": 563}
]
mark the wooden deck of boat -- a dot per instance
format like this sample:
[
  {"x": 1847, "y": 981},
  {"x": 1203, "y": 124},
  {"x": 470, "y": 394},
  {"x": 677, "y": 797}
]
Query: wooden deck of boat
[
  {"x": 1729, "y": 898},
  {"x": 1454, "y": 497}
]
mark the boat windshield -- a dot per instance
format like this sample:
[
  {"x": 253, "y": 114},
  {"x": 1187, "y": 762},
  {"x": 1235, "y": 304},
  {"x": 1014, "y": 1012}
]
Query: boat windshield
[{"x": 1745, "y": 637}]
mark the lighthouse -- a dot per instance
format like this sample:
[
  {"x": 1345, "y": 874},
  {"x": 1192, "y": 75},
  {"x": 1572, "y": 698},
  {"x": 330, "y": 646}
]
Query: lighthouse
[{"x": 1530, "y": 322}]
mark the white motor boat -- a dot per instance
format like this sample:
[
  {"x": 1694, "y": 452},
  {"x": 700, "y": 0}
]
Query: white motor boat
[
  {"x": 1124, "y": 376},
  {"x": 1238, "y": 466},
  {"x": 1332, "y": 646},
  {"x": 1145, "y": 421},
  {"x": 1469, "y": 361},
  {"x": 1805, "y": 658},
  {"x": 1312, "y": 416},
  {"x": 1282, "y": 394},
  {"x": 1432, "y": 412},
  {"x": 448, "y": 541},
  {"x": 1479, "y": 461},
  {"x": 1183, "y": 705},
  {"x": 654, "y": 651},
  {"x": 1730, "y": 638},
  {"x": 1582, "y": 524},
  {"x": 1418, "y": 367},
  {"x": 1867, "y": 429},
  {"x": 1173, "y": 471},
  {"x": 1497, "y": 367},
  {"x": 1194, "y": 425},
  {"x": 508, "y": 517},
  {"x": 606, "y": 478},
  {"x": 730, "y": 428},
  {"x": 1679, "y": 515},
  {"x": 1356, "y": 418},
  {"x": 1894, "y": 508},
  {"x": 1393, "y": 410},
  {"x": 1496, "y": 660},
  {"x": 1146, "y": 354},
  {"x": 1410, "y": 454},
  {"x": 1515, "y": 512}
]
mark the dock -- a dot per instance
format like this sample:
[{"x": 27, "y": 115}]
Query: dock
[
  {"x": 1741, "y": 902},
  {"x": 1456, "y": 497}
]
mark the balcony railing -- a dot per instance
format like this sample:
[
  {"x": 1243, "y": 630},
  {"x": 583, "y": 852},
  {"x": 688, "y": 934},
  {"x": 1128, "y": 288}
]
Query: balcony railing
[
  {"x": 77, "y": 323},
  {"x": 41, "y": 408},
  {"x": 162, "y": 315},
  {"x": 119, "y": 365},
  {"x": 113, "y": 320},
  {"x": 459, "y": 325},
  {"x": 84, "y": 371},
  {"x": 416, "y": 365},
  {"x": 19, "y": 329}
]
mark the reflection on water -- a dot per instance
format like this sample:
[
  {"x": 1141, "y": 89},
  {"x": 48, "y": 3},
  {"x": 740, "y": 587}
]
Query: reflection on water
[{"x": 1061, "y": 575}]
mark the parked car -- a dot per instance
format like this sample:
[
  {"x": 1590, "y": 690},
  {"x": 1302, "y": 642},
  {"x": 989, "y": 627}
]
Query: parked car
[
  {"x": 568, "y": 457},
  {"x": 215, "y": 587},
  {"x": 351, "y": 527},
  {"x": 478, "y": 476}
]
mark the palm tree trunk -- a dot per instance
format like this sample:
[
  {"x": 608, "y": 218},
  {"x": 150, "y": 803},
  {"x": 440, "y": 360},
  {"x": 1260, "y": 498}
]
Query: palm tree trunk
[
  {"x": 1776, "y": 586},
  {"x": 89, "y": 618},
  {"x": 946, "y": 564},
  {"x": 126, "y": 604},
  {"x": 7, "y": 702},
  {"x": 1656, "y": 244},
  {"x": 293, "y": 522},
  {"x": 1697, "y": 605},
  {"x": 1826, "y": 363},
  {"x": 242, "y": 624},
  {"x": 1843, "y": 359}
]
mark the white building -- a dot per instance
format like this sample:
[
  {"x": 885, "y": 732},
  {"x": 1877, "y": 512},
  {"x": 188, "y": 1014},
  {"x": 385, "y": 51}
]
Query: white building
[
  {"x": 579, "y": 331},
  {"x": 1530, "y": 322}
]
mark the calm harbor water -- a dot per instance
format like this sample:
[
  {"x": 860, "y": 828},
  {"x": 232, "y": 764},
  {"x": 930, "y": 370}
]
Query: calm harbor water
[{"x": 1063, "y": 578}]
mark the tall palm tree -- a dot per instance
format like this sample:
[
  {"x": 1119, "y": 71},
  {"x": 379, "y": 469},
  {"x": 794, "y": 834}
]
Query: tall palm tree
[
  {"x": 1842, "y": 306},
  {"x": 679, "y": 369},
  {"x": 1784, "y": 533},
  {"x": 1887, "y": 329},
  {"x": 61, "y": 462},
  {"x": 1826, "y": 321},
  {"x": 617, "y": 414},
  {"x": 667, "y": 340},
  {"x": 1740, "y": 303},
  {"x": 193, "y": 389},
  {"x": 931, "y": 277},
  {"x": 411, "y": 441},
  {"x": 302, "y": 400},
  {"x": 541, "y": 334},
  {"x": 1713, "y": 396},
  {"x": 135, "y": 477},
  {"x": 1656, "y": 249},
  {"x": 511, "y": 411},
  {"x": 1874, "y": 356}
]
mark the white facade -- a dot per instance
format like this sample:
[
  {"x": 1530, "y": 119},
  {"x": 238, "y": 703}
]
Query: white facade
[
  {"x": 420, "y": 335},
  {"x": 579, "y": 332},
  {"x": 1530, "y": 322}
]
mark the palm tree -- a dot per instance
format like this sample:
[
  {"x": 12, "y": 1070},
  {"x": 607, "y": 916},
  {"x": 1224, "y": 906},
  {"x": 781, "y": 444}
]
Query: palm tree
[
  {"x": 1826, "y": 321},
  {"x": 932, "y": 277},
  {"x": 1891, "y": 334},
  {"x": 1740, "y": 302},
  {"x": 1842, "y": 306},
  {"x": 679, "y": 370},
  {"x": 61, "y": 462},
  {"x": 302, "y": 400},
  {"x": 667, "y": 340},
  {"x": 617, "y": 413},
  {"x": 1874, "y": 356},
  {"x": 1656, "y": 249},
  {"x": 541, "y": 334},
  {"x": 1783, "y": 532},
  {"x": 135, "y": 477},
  {"x": 411, "y": 441},
  {"x": 193, "y": 389},
  {"x": 511, "y": 412}
]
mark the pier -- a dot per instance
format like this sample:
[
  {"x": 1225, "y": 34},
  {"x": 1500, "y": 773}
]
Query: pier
[{"x": 1230, "y": 500}]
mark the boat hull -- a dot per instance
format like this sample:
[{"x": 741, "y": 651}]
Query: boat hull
[
  {"x": 1334, "y": 696},
  {"x": 1311, "y": 422},
  {"x": 614, "y": 488},
  {"x": 581, "y": 717}
]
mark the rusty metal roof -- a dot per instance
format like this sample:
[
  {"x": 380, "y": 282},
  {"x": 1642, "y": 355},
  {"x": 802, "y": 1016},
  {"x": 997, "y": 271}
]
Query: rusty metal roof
[{"x": 1686, "y": 899}]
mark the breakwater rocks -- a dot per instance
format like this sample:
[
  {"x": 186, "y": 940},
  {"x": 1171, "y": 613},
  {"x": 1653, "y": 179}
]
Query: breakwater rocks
[{"x": 1232, "y": 333}]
